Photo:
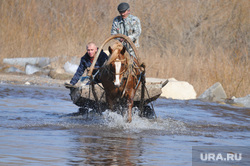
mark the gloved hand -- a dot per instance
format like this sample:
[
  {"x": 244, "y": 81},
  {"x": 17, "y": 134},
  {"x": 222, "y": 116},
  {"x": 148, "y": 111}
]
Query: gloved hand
[{"x": 68, "y": 85}]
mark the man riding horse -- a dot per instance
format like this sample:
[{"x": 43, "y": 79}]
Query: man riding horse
[{"x": 128, "y": 25}]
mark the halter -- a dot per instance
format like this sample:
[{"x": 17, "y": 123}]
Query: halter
[{"x": 118, "y": 60}]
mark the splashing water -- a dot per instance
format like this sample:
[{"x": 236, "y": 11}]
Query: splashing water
[
  {"x": 138, "y": 124},
  {"x": 41, "y": 126}
]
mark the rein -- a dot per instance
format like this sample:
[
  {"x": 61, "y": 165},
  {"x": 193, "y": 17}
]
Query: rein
[{"x": 101, "y": 47}]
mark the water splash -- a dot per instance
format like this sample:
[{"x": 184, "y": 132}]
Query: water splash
[
  {"x": 139, "y": 124},
  {"x": 107, "y": 121}
]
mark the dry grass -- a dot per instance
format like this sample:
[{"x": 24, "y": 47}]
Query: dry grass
[{"x": 198, "y": 41}]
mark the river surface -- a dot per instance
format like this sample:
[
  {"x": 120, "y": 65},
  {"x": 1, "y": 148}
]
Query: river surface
[{"x": 39, "y": 126}]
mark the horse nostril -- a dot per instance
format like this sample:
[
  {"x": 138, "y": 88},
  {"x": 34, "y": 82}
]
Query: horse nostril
[{"x": 117, "y": 83}]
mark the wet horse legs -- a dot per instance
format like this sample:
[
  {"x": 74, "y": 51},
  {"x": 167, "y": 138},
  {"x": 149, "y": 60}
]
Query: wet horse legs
[{"x": 130, "y": 105}]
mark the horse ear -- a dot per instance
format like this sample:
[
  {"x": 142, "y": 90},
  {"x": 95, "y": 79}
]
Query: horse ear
[
  {"x": 123, "y": 50},
  {"x": 110, "y": 50}
]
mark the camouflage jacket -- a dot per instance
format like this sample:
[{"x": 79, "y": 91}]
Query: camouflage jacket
[{"x": 132, "y": 27}]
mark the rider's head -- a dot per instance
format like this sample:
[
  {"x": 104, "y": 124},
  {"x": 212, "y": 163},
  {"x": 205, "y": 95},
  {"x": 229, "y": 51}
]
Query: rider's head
[
  {"x": 91, "y": 49},
  {"x": 123, "y": 9}
]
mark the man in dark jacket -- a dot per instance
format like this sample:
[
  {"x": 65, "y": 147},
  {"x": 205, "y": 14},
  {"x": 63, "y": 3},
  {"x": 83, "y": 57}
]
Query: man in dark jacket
[{"x": 87, "y": 60}]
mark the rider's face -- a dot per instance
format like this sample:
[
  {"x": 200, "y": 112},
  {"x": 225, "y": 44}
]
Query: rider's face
[
  {"x": 125, "y": 14},
  {"x": 91, "y": 49}
]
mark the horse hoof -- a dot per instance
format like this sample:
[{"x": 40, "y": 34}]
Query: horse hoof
[{"x": 129, "y": 120}]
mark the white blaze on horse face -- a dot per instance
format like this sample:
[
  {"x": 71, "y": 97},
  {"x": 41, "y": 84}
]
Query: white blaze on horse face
[{"x": 117, "y": 73}]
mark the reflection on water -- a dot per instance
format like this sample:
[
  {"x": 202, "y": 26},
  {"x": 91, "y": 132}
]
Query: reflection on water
[{"x": 40, "y": 126}]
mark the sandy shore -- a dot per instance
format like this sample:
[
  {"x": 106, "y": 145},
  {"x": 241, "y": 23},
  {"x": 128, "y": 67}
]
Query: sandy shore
[{"x": 21, "y": 79}]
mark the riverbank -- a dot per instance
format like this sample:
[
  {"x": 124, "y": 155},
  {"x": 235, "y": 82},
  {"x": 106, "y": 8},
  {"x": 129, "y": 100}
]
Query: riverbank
[
  {"x": 46, "y": 81},
  {"x": 22, "y": 79}
]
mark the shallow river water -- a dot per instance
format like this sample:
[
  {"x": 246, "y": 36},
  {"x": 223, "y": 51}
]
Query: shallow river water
[{"x": 38, "y": 127}]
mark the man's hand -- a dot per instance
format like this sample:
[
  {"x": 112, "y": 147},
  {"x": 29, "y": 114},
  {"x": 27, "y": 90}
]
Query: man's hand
[
  {"x": 121, "y": 39},
  {"x": 69, "y": 85}
]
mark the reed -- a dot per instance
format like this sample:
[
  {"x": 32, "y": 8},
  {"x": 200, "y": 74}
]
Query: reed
[{"x": 199, "y": 41}]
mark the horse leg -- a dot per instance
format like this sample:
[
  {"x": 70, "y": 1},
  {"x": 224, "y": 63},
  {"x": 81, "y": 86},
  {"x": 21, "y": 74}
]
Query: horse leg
[
  {"x": 110, "y": 103},
  {"x": 130, "y": 102},
  {"x": 130, "y": 105}
]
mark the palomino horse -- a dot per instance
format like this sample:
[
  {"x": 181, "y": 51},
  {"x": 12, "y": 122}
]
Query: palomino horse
[{"x": 121, "y": 76}]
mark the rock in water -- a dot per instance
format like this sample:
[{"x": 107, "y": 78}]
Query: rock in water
[
  {"x": 13, "y": 70},
  {"x": 70, "y": 68},
  {"x": 178, "y": 90},
  {"x": 31, "y": 69},
  {"x": 39, "y": 61},
  {"x": 215, "y": 93},
  {"x": 243, "y": 100}
]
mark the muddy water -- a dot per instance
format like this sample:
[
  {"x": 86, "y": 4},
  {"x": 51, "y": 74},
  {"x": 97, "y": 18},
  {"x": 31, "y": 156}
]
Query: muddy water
[{"x": 38, "y": 126}]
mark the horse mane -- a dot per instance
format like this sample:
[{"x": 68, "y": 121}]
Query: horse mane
[{"x": 117, "y": 47}]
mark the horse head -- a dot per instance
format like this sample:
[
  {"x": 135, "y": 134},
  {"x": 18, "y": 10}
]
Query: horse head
[{"x": 118, "y": 62}]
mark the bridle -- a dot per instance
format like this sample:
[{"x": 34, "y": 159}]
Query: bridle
[
  {"x": 122, "y": 62},
  {"x": 101, "y": 47}
]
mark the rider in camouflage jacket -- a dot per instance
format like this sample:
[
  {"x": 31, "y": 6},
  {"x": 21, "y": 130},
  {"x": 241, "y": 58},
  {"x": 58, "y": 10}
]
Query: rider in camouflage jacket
[
  {"x": 126, "y": 24},
  {"x": 132, "y": 25}
]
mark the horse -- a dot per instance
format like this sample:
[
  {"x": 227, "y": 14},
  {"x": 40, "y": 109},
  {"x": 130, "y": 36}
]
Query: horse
[{"x": 120, "y": 77}]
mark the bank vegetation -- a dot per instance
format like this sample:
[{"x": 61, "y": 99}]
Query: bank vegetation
[{"x": 198, "y": 41}]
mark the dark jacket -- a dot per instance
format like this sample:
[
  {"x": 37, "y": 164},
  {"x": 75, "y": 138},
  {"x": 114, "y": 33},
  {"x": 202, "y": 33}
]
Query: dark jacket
[{"x": 85, "y": 63}]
